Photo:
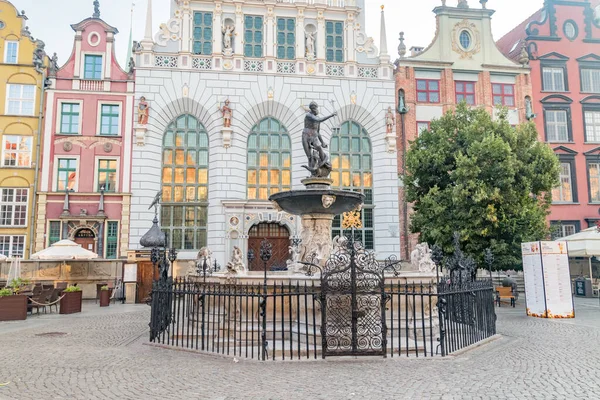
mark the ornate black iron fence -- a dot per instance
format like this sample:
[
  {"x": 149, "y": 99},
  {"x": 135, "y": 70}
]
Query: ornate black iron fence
[{"x": 285, "y": 321}]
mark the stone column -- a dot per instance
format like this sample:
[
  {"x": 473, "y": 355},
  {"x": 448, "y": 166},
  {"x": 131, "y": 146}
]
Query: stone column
[
  {"x": 321, "y": 43},
  {"x": 349, "y": 45},
  {"x": 239, "y": 30},
  {"x": 270, "y": 42},
  {"x": 300, "y": 38},
  {"x": 218, "y": 29},
  {"x": 186, "y": 31},
  {"x": 316, "y": 237}
]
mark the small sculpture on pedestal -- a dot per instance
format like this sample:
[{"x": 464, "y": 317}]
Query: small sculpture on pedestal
[
  {"x": 389, "y": 120},
  {"x": 227, "y": 113},
  {"x": 236, "y": 265},
  {"x": 310, "y": 45},
  {"x": 314, "y": 145},
  {"x": 228, "y": 39},
  {"x": 143, "y": 109},
  {"x": 420, "y": 259}
]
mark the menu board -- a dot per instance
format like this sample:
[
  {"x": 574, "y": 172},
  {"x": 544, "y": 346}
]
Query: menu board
[
  {"x": 130, "y": 273},
  {"x": 534, "y": 281},
  {"x": 547, "y": 280}
]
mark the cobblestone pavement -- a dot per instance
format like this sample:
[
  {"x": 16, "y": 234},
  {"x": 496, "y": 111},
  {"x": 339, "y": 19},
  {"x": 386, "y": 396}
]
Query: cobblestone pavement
[{"x": 103, "y": 356}]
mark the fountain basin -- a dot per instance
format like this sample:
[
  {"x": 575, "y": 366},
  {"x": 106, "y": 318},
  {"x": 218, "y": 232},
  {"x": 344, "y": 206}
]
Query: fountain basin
[{"x": 312, "y": 201}]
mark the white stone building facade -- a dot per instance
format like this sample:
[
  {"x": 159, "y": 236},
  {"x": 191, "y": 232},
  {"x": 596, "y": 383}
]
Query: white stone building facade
[{"x": 215, "y": 179}]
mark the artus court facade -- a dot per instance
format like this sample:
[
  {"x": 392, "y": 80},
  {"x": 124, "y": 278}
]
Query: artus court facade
[{"x": 227, "y": 85}]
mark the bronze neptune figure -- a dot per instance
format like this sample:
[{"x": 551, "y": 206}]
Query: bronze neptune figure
[{"x": 318, "y": 160}]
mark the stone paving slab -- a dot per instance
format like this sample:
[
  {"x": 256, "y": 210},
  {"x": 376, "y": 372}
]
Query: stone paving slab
[{"x": 103, "y": 356}]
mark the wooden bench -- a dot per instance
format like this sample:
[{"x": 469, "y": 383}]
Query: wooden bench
[{"x": 504, "y": 293}]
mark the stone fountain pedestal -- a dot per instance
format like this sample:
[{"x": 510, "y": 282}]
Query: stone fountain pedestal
[{"x": 317, "y": 205}]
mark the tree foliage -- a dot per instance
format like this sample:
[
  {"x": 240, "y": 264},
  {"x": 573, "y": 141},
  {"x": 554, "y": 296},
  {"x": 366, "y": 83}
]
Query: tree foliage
[{"x": 484, "y": 179}]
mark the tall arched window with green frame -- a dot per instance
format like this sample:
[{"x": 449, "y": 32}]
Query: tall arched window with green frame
[
  {"x": 352, "y": 163},
  {"x": 185, "y": 184},
  {"x": 269, "y": 159}
]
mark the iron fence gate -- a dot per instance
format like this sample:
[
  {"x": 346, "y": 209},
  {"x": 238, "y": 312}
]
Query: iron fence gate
[
  {"x": 353, "y": 300},
  {"x": 354, "y": 311}
]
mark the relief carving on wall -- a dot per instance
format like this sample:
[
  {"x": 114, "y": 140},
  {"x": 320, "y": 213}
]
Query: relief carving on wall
[
  {"x": 475, "y": 46},
  {"x": 49, "y": 271}
]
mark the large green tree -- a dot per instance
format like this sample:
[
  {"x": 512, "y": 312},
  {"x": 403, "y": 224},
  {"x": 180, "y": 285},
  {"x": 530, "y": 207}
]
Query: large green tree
[{"x": 484, "y": 179}]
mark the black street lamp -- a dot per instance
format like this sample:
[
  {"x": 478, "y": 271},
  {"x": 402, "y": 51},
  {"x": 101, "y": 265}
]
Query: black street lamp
[{"x": 250, "y": 257}]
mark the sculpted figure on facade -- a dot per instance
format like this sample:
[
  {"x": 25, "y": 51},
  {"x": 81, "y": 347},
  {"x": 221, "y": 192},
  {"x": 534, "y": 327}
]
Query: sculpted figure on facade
[
  {"x": 420, "y": 258},
  {"x": 130, "y": 65},
  {"x": 228, "y": 38},
  {"x": 143, "y": 111},
  {"x": 310, "y": 45},
  {"x": 389, "y": 120},
  {"x": 236, "y": 265},
  {"x": 53, "y": 68},
  {"x": 204, "y": 255},
  {"x": 227, "y": 113},
  {"x": 38, "y": 56},
  {"x": 313, "y": 143}
]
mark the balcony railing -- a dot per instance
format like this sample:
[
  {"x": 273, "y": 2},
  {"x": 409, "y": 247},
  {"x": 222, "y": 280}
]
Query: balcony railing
[{"x": 92, "y": 85}]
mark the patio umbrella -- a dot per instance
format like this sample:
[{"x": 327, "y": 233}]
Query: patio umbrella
[
  {"x": 64, "y": 250},
  {"x": 584, "y": 244}
]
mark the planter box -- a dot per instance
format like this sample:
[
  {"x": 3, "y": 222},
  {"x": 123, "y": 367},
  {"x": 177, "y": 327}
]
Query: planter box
[
  {"x": 104, "y": 298},
  {"x": 13, "y": 308},
  {"x": 71, "y": 303}
]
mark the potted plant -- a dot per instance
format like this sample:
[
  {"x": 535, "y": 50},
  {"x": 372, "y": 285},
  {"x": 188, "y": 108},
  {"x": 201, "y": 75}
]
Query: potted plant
[
  {"x": 104, "y": 296},
  {"x": 71, "y": 300},
  {"x": 13, "y": 307}
]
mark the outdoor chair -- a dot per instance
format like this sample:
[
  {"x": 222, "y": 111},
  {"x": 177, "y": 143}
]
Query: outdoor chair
[
  {"x": 47, "y": 286},
  {"x": 54, "y": 299},
  {"x": 37, "y": 289},
  {"x": 40, "y": 301},
  {"x": 505, "y": 293},
  {"x": 61, "y": 285}
]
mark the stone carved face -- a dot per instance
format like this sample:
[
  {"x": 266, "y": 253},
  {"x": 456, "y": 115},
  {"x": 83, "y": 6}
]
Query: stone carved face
[{"x": 327, "y": 200}]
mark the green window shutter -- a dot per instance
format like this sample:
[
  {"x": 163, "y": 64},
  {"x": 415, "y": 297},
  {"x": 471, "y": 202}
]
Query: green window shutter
[
  {"x": 112, "y": 238},
  {"x": 69, "y": 118},
  {"x": 253, "y": 36},
  {"x": 203, "y": 33},
  {"x": 286, "y": 38},
  {"x": 334, "y": 41},
  {"x": 54, "y": 232}
]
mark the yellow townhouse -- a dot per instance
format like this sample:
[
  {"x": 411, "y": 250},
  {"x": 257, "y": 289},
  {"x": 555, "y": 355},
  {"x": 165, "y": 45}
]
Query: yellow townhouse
[{"x": 22, "y": 76}]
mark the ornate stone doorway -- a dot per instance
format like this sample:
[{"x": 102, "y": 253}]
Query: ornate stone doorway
[
  {"x": 86, "y": 238},
  {"x": 278, "y": 235}
]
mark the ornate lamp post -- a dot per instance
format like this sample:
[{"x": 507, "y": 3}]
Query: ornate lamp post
[{"x": 266, "y": 251}]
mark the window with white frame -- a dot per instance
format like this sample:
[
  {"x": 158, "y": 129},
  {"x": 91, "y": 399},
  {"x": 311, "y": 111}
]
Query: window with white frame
[
  {"x": 11, "y": 52},
  {"x": 92, "y": 67},
  {"x": 564, "y": 192},
  {"x": 557, "y": 126},
  {"x": 69, "y": 118},
  {"x": 12, "y": 246},
  {"x": 20, "y": 99},
  {"x": 66, "y": 174},
  {"x": 16, "y": 151},
  {"x": 590, "y": 80},
  {"x": 592, "y": 125},
  {"x": 109, "y": 119},
  {"x": 553, "y": 79},
  {"x": 13, "y": 206}
]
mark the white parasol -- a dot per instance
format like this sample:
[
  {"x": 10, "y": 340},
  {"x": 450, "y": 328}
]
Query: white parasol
[{"x": 64, "y": 250}]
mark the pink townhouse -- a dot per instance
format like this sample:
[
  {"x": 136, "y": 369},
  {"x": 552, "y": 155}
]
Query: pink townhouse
[{"x": 85, "y": 187}]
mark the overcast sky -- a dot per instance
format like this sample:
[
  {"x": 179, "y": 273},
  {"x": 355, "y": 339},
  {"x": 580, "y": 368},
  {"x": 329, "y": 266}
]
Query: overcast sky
[{"x": 50, "y": 20}]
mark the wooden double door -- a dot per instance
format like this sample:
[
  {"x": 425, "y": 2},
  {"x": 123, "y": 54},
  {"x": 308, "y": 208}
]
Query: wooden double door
[{"x": 279, "y": 237}]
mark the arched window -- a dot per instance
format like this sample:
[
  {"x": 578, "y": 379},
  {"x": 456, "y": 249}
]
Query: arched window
[
  {"x": 185, "y": 184},
  {"x": 269, "y": 159},
  {"x": 352, "y": 163}
]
